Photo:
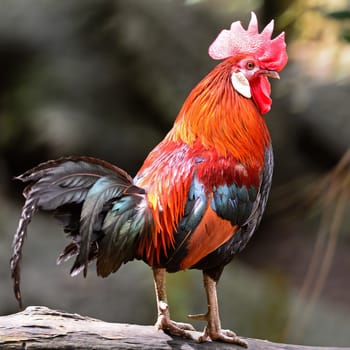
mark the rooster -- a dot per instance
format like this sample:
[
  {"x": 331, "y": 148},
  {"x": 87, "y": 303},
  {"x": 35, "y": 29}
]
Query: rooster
[{"x": 198, "y": 197}]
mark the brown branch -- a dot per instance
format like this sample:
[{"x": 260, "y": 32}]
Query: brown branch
[{"x": 38, "y": 327}]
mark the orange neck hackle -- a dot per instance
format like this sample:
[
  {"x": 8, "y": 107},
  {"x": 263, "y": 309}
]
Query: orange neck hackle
[{"x": 218, "y": 117}]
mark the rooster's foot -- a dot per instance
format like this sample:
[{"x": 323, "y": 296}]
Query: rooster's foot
[
  {"x": 214, "y": 332},
  {"x": 223, "y": 335},
  {"x": 167, "y": 325}
]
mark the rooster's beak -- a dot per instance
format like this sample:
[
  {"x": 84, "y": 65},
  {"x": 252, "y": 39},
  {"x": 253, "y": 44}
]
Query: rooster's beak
[{"x": 270, "y": 74}]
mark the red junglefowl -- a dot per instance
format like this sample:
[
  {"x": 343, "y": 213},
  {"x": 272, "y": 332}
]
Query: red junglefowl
[{"x": 198, "y": 197}]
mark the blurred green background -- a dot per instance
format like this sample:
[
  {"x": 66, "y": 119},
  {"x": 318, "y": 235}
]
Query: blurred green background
[{"x": 106, "y": 78}]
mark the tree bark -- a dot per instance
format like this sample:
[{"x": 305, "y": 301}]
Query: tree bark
[{"x": 38, "y": 327}]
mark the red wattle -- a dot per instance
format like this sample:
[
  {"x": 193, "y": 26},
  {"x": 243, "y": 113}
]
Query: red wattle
[{"x": 261, "y": 90}]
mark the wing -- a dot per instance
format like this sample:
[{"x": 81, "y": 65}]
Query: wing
[
  {"x": 214, "y": 262},
  {"x": 223, "y": 197}
]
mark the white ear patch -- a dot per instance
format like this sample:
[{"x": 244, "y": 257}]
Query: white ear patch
[{"x": 241, "y": 84}]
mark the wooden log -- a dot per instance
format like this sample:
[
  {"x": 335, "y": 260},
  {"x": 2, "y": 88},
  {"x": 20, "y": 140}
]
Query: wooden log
[{"x": 39, "y": 327}]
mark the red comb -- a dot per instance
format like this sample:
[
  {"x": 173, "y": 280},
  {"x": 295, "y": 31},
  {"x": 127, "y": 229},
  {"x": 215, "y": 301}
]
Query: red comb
[{"x": 238, "y": 41}]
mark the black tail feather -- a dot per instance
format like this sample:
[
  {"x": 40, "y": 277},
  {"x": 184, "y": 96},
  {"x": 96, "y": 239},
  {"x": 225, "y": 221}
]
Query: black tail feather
[
  {"x": 95, "y": 206},
  {"x": 80, "y": 192},
  {"x": 28, "y": 211},
  {"x": 69, "y": 251}
]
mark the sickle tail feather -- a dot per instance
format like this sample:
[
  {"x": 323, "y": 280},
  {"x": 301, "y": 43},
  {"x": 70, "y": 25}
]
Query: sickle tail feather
[{"x": 97, "y": 204}]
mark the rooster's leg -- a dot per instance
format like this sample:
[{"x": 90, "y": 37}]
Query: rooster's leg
[
  {"x": 213, "y": 329},
  {"x": 164, "y": 322}
]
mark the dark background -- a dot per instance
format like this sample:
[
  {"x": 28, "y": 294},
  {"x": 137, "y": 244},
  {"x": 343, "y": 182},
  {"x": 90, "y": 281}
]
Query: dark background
[{"x": 107, "y": 78}]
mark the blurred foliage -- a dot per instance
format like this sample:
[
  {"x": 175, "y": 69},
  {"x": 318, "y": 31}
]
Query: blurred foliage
[
  {"x": 327, "y": 200},
  {"x": 342, "y": 15}
]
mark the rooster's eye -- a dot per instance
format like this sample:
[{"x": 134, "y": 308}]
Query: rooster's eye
[{"x": 250, "y": 65}]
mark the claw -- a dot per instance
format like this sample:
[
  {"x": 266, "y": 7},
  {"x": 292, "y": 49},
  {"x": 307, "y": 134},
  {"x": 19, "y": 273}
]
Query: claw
[{"x": 229, "y": 333}]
